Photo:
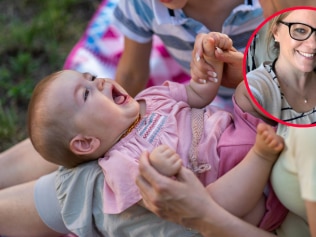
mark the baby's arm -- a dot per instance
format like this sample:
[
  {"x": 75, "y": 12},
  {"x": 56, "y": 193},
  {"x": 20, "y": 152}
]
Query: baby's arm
[
  {"x": 204, "y": 84},
  {"x": 240, "y": 189},
  {"x": 245, "y": 102}
]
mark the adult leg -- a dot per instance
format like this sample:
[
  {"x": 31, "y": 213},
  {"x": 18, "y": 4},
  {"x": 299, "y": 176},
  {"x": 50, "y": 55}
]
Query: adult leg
[
  {"x": 18, "y": 214},
  {"x": 21, "y": 163}
]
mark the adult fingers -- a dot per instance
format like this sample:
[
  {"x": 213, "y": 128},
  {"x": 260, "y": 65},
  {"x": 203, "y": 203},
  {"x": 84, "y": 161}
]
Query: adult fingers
[
  {"x": 201, "y": 72},
  {"x": 197, "y": 51},
  {"x": 230, "y": 57}
]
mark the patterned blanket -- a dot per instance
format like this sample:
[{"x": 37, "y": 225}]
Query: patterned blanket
[{"x": 100, "y": 47}]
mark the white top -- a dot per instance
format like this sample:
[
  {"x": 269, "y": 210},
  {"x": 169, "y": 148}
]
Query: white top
[{"x": 294, "y": 177}]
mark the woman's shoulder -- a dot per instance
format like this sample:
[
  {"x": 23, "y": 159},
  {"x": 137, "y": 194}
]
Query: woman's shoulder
[
  {"x": 263, "y": 77},
  {"x": 263, "y": 71}
]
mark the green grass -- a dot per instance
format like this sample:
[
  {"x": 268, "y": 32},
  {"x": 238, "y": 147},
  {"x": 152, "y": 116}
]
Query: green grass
[{"x": 35, "y": 38}]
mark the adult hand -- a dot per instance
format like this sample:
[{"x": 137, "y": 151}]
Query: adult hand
[
  {"x": 200, "y": 70},
  {"x": 233, "y": 63},
  {"x": 205, "y": 65},
  {"x": 182, "y": 200}
]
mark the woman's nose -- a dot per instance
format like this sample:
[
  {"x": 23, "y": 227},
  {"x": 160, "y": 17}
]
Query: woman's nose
[{"x": 312, "y": 40}]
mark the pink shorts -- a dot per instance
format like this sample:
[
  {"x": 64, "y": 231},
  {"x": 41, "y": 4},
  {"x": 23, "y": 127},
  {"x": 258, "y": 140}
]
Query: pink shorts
[{"x": 237, "y": 139}]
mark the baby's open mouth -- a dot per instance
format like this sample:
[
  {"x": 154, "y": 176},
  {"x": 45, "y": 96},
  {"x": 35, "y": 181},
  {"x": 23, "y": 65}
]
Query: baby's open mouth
[{"x": 117, "y": 96}]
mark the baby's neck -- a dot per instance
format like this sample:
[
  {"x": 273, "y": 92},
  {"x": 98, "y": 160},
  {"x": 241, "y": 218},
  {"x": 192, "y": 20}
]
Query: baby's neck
[
  {"x": 142, "y": 107},
  {"x": 131, "y": 127}
]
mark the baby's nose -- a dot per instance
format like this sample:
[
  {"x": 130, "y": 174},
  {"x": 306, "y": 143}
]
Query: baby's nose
[{"x": 100, "y": 83}]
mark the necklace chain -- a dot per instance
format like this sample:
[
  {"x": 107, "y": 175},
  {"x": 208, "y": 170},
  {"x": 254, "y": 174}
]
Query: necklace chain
[{"x": 131, "y": 127}]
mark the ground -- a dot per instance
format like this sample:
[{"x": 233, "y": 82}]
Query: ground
[{"x": 35, "y": 38}]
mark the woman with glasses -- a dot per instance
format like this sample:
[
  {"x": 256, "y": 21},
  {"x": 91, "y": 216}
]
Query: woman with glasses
[{"x": 284, "y": 89}]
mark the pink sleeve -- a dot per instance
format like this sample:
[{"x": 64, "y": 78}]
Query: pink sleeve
[{"x": 168, "y": 92}]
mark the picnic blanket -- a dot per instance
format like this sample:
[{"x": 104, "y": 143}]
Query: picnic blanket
[{"x": 100, "y": 47}]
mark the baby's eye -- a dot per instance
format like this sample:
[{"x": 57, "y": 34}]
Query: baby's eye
[{"x": 86, "y": 94}]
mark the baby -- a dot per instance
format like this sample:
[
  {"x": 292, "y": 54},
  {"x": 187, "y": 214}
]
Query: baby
[{"x": 76, "y": 117}]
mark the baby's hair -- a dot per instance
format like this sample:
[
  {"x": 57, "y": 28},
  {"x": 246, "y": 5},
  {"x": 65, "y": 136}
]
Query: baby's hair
[{"x": 47, "y": 130}]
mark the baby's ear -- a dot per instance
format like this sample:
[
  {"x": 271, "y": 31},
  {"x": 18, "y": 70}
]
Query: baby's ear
[{"x": 84, "y": 145}]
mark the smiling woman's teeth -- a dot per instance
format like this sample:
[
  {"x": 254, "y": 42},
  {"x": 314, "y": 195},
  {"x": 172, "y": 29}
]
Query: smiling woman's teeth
[{"x": 308, "y": 55}]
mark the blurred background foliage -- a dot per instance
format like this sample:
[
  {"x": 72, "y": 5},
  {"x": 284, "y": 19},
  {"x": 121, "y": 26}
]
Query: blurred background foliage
[{"x": 35, "y": 38}]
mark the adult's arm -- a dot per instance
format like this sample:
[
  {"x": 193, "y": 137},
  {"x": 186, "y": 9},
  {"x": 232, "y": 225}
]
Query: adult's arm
[
  {"x": 185, "y": 201},
  {"x": 21, "y": 163},
  {"x": 133, "y": 68}
]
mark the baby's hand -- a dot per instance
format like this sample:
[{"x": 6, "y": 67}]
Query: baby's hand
[
  {"x": 165, "y": 160},
  {"x": 212, "y": 42},
  {"x": 204, "y": 65}
]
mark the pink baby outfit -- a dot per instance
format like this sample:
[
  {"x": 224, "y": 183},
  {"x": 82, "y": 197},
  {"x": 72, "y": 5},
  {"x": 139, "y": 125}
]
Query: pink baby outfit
[
  {"x": 223, "y": 143},
  {"x": 167, "y": 121}
]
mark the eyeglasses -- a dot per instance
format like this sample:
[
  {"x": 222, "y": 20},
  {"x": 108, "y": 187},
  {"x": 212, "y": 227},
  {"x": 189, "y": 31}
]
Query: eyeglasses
[{"x": 299, "y": 31}]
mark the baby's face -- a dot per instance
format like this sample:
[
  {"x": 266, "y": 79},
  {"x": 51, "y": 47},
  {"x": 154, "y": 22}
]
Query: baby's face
[{"x": 97, "y": 107}]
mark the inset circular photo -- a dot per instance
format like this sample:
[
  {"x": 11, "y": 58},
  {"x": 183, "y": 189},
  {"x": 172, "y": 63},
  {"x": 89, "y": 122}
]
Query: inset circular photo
[{"x": 280, "y": 67}]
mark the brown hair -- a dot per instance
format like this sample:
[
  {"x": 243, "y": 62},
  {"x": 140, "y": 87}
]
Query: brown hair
[
  {"x": 272, "y": 27},
  {"x": 47, "y": 131}
]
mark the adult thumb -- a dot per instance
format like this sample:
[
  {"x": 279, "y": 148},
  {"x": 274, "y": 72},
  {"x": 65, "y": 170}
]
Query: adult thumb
[{"x": 185, "y": 175}]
